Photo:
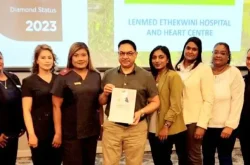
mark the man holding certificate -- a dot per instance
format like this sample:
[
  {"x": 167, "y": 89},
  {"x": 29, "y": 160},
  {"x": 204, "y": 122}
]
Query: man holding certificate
[{"x": 130, "y": 94}]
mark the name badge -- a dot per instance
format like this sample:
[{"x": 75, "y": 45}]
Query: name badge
[
  {"x": 18, "y": 86},
  {"x": 77, "y": 83}
]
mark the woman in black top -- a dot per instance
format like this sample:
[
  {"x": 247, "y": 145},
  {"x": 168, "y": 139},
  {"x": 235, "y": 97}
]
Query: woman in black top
[
  {"x": 75, "y": 100},
  {"x": 11, "y": 118},
  {"x": 244, "y": 125},
  {"x": 37, "y": 108}
]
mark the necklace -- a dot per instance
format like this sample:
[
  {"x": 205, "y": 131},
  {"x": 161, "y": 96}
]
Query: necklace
[
  {"x": 5, "y": 84},
  {"x": 216, "y": 72}
]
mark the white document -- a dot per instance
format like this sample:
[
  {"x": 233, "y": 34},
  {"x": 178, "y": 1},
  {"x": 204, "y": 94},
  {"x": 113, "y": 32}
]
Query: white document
[{"x": 122, "y": 105}]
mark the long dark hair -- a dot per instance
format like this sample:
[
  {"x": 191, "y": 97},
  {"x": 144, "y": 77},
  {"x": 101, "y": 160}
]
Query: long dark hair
[
  {"x": 38, "y": 50},
  {"x": 198, "y": 43},
  {"x": 165, "y": 50},
  {"x": 73, "y": 49}
]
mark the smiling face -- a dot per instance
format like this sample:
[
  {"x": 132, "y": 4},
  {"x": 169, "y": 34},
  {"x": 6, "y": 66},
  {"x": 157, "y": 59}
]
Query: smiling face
[
  {"x": 159, "y": 60},
  {"x": 127, "y": 55},
  {"x": 220, "y": 55},
  {"x": 191, "y": 52},
  {"x": 45, "y": 60},
  {"x": 80, "y": 59}
]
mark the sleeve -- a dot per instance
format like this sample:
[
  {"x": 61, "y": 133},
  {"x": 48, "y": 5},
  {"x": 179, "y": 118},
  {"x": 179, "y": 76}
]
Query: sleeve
[
  {"x": 100, "y": 82},
  {"x": 16, "y": 79},
  {"x": 176, "y": 89},
  {"x": 151, "y": 86},
  {"x": 103, "y": 81},
  {"x": 19, "y": 114},
  {"x": 21, "y": 123},
  {"x": 237, "y": 99},
  {"x": 58, "y": 86},
  {"x": 26, "y": 88},
  {"x": 207, "y": 92}
]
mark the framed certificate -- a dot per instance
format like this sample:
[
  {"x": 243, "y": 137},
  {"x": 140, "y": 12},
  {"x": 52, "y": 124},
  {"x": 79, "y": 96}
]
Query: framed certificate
[{"x": 122, "y": 105}]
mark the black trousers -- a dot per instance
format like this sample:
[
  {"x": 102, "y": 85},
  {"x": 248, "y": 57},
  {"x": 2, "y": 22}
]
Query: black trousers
[
  {"x": 44, "y": 153},
  {"x": 162, "y": 150},
  {"x": 212, "y": 141},
  {"x": 80, "y": 151},
  {"x": 8, "y": 154},
  {"x": 244, "y": 138}
]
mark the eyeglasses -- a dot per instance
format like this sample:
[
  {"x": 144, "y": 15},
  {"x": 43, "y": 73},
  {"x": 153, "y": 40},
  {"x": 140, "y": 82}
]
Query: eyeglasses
[{"x": 129, "y": 54}]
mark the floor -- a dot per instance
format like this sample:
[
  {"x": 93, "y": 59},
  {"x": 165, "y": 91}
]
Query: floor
[{"x": 237, "y": 159}]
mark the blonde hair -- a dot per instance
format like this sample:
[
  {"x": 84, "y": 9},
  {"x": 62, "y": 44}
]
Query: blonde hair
[
  {"x": 38, "y": 50},
  {"x": 73, "y": 49}
]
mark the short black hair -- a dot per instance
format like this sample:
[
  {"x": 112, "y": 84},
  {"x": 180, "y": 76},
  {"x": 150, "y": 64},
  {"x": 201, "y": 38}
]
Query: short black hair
[
  {"x": 127, "y": 42},
  {"x": 228, "y": 50}
]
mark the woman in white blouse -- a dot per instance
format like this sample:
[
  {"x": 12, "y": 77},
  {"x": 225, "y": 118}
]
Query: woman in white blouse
[
  {"x": 198, "y": 96},
  {"x": 229, "y": 96}
]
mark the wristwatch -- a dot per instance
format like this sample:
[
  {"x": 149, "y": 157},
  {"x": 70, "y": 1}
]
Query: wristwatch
[
  {"x": 167, "y": 124},
  {"x": 142, "y": 112}
]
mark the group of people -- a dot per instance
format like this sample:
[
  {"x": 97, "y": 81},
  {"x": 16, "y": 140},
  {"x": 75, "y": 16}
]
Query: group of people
[{"x": 194, "y": 106}]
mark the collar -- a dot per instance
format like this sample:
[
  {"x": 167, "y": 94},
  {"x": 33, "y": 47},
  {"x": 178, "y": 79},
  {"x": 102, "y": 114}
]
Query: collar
[
  {"x": 14, "y": 79},
  {"x": 135, "y": 69},
  {"x": 183, "y": 69},
  {"x": 64, "y": 71}
]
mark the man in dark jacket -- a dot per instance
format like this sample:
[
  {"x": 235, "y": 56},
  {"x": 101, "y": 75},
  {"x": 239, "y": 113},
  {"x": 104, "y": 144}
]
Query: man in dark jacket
[{"x": 244, "y": 126}]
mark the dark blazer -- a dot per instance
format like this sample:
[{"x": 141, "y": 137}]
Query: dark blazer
[
  {"x": 245, "y": 114},
  {"x": 11, "y": 122}
]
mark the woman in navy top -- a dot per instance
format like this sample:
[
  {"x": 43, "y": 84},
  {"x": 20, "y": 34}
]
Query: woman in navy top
[{"x": 11, "y": 118}]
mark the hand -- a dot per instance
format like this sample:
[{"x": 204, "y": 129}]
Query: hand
[
  {"x": 57, "y": 141},
  {"x": 108, "y": 89},
  {"x": 3, "y": 140},
  {"x": 199, "y": 133},
  {"x": 163, "y": 134},
  {"x": 137, "y": 117},
  {"x": 226, "y": 132},
  {"x": 21, "y": 133},
  {"x": 33, "y": 141}
]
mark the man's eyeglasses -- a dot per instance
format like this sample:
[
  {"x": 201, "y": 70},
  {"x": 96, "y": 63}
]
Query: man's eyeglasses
[{"x": 129, "y": 54}]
